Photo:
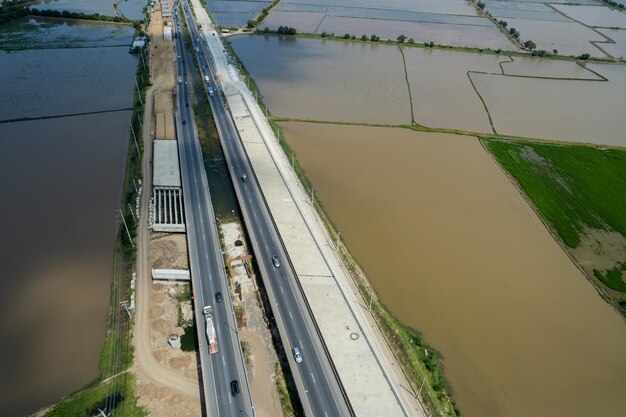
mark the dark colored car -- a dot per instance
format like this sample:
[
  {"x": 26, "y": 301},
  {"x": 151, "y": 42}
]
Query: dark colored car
[
  {"x": 218, "y": 297},
  {"x": 234, "y": 388}
]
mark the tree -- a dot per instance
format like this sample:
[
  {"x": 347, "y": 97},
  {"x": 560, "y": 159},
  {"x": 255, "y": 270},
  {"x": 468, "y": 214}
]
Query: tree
[
  {"x": 346, "y": 36},
  {"x": 401, "y": 38},
  {"x": 530, "y": 45},
  {"x": 324, "y": 34},
  {"x": 364, "y": 37},
  {"x": 555, "y": 51},
  {"x": 250, "y": 24},
  {"x": 431, "y": 44},
  {"x": 374, "y": 38},
  {"x": 584, "y": 56},
  {"x": 411, "y": 40},
  {"x": 481, "y": 5},
  {"x": 503, "y": 23}
]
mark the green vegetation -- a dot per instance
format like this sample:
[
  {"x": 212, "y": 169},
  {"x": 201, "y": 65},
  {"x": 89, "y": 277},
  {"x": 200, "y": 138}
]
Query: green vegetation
[
  {"x": 614, "y": 4},
  {"x": 291, "y": 408},
  {"x": 613, "y": 277},
  {"x": 87, "y": 403},
  {"x": 247, "y": 353},
  {"x": 580, "y": 192},
  {"x": 13, "y": 9},
  {"x": 189, "y": 341},
  {"x": 286, "y": 30},
  {"x": 574, "y": 187}
]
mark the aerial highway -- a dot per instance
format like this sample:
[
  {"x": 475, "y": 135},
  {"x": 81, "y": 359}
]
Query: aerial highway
[
  {"x": 318, "y": 386},
  {"x": 222, "y": 396}
]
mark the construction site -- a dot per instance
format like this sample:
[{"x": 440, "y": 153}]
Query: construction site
[{"x": 166, "y": 365}]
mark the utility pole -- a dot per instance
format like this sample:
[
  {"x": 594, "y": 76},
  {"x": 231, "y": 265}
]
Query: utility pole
[
  {"x": 138, "y": 92},
  {"x": 121, "y": 216},
  {"x": 135, "y": 138},
  {"x": 131, "y": 213}
]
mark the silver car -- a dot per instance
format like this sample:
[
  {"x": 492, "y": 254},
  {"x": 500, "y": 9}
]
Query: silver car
[{"x": 297, "y": 355}]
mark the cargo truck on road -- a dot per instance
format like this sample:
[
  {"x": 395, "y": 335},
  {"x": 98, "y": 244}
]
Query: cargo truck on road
[{"x": 210, "y": 329}]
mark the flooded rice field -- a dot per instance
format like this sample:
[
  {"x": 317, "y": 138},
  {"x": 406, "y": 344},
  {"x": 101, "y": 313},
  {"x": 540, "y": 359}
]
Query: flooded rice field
[
  {"x": 599, "y": 16},
  {"x": 103, "y": 7},
  {"x": 32, "y": 94},
  {"x": 537, "y": 67},
  {"x": 131, "y": 9},
  {"x": 235, "y": 13},
  {"x": 367, "y": 84},
  {"x": 523, "y": 10},
  {"x": 460, "y": 255},
  {"x": 452, "y": 7},
  {"x": 580, "y": 110},
  {"x": 451, "y": 22},
  {"x": 441, "y": 90},
  {"x": 318, "y": 80},
  {"x": 35, "y": 32},
  {"x": 616, "y": 49},
  {"x": 569, "y": 38},
  {"x": 61, "y": 179}
]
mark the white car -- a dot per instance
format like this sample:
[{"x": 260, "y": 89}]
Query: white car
[{"x": 275, "y": 261}]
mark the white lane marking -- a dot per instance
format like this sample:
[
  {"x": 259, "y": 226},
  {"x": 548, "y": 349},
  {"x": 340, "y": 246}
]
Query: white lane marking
[
  {"x": 281, "y": 290},
  {"x": 290, "y": 315},
  {"x": 313, "y": 378}
]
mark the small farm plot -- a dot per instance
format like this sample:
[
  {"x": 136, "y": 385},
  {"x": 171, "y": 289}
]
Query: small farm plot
[
  {"x": 597, "y": 16},
  {"x": 235, "y": 13}
]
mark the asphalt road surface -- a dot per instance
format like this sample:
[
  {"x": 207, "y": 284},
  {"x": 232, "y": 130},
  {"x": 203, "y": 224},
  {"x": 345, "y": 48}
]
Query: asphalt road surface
[
  {"x": 318, "y": 386},
  {"x": 207, "y": 269}
]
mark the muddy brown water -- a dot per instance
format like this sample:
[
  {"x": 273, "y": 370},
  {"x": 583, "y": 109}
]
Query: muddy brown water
[
  {"x": 60, "y": 188},
  {"x": 353, "y": 82},
  {"x": 309, "y": 79},
  {"x": 455, "y": 251}
]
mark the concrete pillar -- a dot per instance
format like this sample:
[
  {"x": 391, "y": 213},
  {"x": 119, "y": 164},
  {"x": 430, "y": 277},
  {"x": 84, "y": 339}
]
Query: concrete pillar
[
  {"x": 180, "y": 204},
  {"x": 169, "y": 206},
  {"x": 176, "y": 208},
  {"x": 158, "y": 206}
]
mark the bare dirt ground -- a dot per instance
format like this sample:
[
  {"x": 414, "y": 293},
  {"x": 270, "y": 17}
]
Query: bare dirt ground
[
  {"x": 168, "y": 250},
  {"x": 253, "y": 331}
]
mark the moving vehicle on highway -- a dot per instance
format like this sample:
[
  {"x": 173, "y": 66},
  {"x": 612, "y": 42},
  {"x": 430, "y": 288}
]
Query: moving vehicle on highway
[
  {"x": 296, "y": 354},
  {"x": 275, "y": 261},
  {"x": 210, "y": 329},
  {"x": 234, "y": 388},
  {"x": 244, "y": 178},
  {"x": 218, "y": 297}
]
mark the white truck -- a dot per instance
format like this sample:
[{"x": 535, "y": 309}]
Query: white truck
[
  {"x": 206, "y": 78},
  {"x": 210, "y": 329}
]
